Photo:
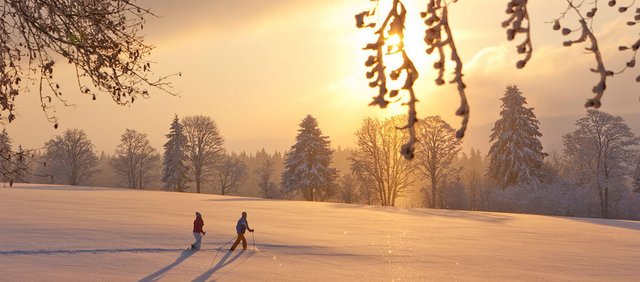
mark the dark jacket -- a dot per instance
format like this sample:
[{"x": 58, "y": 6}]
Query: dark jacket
[
  {"x": 242, "y": 225},
  {"x": 197, "y": 225}
]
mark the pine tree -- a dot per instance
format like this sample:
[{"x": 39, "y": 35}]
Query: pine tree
[
  {"x": 516, "y": 155},
  {"x": 307, "y": 164},
  {"x": 21, "y": 170},
  {"x": 174, "y": 169},
  {"x": 6, "y": 165},
  {"x": 636, "y": 177}
]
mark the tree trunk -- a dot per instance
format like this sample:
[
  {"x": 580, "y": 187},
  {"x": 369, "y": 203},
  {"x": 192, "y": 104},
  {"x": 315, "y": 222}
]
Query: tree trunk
[
  {"x": 433, "y": 192},
  {"x": 605, "y": 203}
]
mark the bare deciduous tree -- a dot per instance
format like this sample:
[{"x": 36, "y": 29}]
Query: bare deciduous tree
[
  {"x": 389, "y": 29},
  {"x": 135, "y": 160},
  {"x": 378, "y": 158},
  {"x": 437, "y": 147},
  {"x": 231, "y": 174},
  {"x": 600, "y": 151},
  {"x": 268, "y": 188},
  {"x": 70, "y": 157},
  {"x": 204, "y": 147},
  {"x": 349, "y": 185},
  {"x": 101, "y": 39}
]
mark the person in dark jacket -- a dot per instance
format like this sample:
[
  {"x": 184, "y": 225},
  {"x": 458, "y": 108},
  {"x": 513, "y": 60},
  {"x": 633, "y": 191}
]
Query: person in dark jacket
[
  {"x": 197, "y": 231},
  {"x": 241, "y": 227}
]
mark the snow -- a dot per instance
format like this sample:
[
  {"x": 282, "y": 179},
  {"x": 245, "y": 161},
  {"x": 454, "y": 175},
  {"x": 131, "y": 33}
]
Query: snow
[{"x": 64, "y": 233}]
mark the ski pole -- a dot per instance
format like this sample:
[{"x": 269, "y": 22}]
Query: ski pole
[
  {"x": 228, "y": 242},
  {"x": 253, "y": 238},
  {"x": 214, "y": 258}
]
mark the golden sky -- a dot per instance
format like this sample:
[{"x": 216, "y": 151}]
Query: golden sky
[{"x": 258, "y": 67}]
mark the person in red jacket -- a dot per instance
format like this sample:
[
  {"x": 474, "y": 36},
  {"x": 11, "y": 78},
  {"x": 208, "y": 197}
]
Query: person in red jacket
[{"x": 197, "y": 231}]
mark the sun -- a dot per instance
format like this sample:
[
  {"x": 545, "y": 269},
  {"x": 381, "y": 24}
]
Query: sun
[
  {"x": 393, "y": 60},
  {"x": 393, "y": 40}
]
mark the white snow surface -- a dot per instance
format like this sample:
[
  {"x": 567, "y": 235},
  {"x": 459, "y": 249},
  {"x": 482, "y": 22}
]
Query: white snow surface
[{"x": 64, "y": 233}]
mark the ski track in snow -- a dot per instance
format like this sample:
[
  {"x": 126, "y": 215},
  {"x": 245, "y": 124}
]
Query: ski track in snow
[{"x": 63, "y": 233}]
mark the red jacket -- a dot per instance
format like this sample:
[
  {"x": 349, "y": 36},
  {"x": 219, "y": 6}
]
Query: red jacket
[{"x": 197, "y": 225}]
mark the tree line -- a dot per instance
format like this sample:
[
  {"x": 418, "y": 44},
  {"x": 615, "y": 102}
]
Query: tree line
[{"x": 596, "y": 174}]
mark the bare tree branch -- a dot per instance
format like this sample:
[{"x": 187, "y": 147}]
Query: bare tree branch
[{"x": 101, "y": 39}]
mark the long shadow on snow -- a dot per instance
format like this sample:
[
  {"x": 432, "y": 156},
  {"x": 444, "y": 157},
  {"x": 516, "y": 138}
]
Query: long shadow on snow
[
  {"x": 55, "y": 187},
  {"x": 493, "y": 217},
  {"x": 158, "y": 274},
  {"x": 224, "y": 261},
  {"x": 87, "y": 251},
  {"x": 625, "y": 224},
  {"x": 240, "y": 199}
]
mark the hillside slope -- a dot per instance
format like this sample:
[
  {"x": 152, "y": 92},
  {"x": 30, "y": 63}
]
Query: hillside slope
[{"x": 63, "y": 233}]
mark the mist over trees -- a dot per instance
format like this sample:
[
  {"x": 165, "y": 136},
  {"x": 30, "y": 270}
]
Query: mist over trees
[
  {"x": 231, "y": 173},
  {"x": 472, "y": 169},
  {"x": 594, "y": 175},
  {"x": 70, "y": 158},
  {"x": 268, "y": 189},
  {"x": 349, "y": 188}
]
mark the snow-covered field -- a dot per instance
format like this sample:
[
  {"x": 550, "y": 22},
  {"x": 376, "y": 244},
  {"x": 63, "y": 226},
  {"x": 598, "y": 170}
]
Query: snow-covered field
[{"x": 63, "y": 233}]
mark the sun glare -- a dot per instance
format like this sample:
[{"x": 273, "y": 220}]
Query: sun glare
[
  {"x": 393, "y": 60},
  {"x": 393, "y": 40}
]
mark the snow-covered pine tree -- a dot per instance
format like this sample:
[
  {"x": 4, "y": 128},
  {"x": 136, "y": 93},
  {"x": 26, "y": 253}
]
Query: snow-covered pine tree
[
  {"x": 308, "y": 163},
  {"x": 21, "y": 170},
  {"x": 6, "y": 165},
  {"x": 636, "y": 177},
  {"x": 516, "y": 155},
  {"x": 174, "y": 169}
]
